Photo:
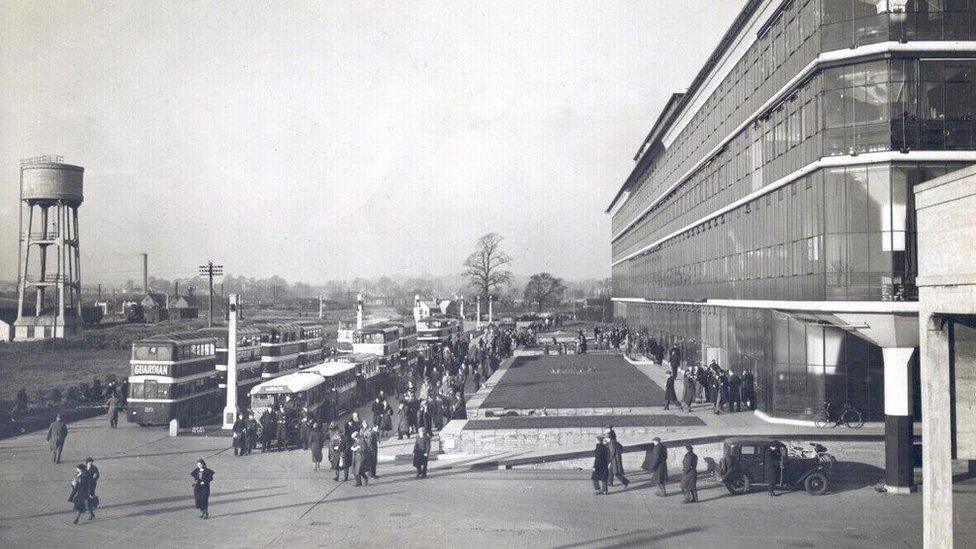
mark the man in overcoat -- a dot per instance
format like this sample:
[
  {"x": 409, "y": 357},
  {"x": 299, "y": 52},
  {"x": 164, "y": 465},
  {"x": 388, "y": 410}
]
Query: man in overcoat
[
  {"x": 658, "y": 461},
  {"x": 601, "y": 463},
  {"x": 421, "y": 452},
  {"x": 57, "y": 432},
  {"x": 615, "y": 457},
  {"x": 689, "y": 475}
]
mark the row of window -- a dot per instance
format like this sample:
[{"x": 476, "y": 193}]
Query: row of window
[
  {"x": 785, "y": 47},
  {"x": 846, "y": 110},
  {"x": 852, "y": 227},
  {"x": 151, "y": 389}
]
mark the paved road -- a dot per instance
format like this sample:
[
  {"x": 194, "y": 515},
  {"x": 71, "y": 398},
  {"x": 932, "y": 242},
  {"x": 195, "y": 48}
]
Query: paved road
[{"x": 276, "y": 499}]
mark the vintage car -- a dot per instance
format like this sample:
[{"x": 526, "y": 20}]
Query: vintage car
[{"x": 743, "y": 466}]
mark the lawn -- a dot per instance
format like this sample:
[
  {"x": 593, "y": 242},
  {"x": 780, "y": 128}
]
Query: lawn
[{"x": 46, "y": 369}]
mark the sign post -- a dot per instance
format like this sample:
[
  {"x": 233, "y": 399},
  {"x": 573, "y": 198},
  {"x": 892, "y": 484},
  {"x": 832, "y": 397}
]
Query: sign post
[{"x": 230, "y": 410}]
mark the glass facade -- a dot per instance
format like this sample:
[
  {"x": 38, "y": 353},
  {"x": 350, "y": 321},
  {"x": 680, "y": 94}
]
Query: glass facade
[{"x": 786, "y": 199}]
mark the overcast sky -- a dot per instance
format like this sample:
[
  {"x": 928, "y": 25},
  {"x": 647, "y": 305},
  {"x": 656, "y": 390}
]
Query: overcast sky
[{"x": 338, "y": 139}]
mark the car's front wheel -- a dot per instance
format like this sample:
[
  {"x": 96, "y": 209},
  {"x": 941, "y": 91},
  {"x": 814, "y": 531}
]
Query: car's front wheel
[
  {"x": 816, "y": 484},
  {"x": 738, "y": 483}
]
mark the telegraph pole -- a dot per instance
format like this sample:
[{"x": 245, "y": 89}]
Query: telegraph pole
[{"x": 210, "y": 270}]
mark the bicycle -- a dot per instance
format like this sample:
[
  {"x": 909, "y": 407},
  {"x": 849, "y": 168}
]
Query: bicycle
[{"x": 849, "y": 416}]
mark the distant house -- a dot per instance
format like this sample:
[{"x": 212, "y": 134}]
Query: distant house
[
  {"x": 184, "y": 307},
  {"x": 432, "y": 307},
  {"x": 7, "y": 318},
  {"x": 154, "y": 307}
]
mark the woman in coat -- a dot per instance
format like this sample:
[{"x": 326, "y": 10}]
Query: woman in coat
[
  {"x": 600, "y": 463},
  {"x": 81, "y": 493},
  {"x": 689, "y": 475},
  {"x": 337, "y": 452},
  {"x": 401, "y": 422},
  {"x": 386, "y": 422},
  {"x": 315, "y": 442},
  {"x": 615, "y": 457},
  {"x": 202, "y": 477},
  {"x": 360, "y": 459},
  {"x": 421, "y": 452}
]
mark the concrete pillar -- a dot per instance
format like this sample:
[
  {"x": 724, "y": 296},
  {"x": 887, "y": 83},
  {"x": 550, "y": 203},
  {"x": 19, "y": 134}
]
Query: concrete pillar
[
  {"x": 937, "y": 432},
  {"x": 898, "y": 419},
  {"x": 230, "y": 408}
]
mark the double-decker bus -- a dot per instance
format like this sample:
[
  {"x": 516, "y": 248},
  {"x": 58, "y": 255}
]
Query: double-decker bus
[
  {"x": 173, "y": 376},
  {"x": 281, "y": 348},
  {"x": 249, "y": 365},
  {"x": 310, "y": 335},
  {"x": 438, "y": 330},
  {"x": 344, "y": 336},
  {"x": 366, "y": 370}
]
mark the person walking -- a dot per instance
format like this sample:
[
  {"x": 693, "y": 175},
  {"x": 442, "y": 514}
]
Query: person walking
[
  {"x": 689, "y": 475},
  {"x": 601, "y": 463},
  {"x": 721, "y": 391},
  {"x": 689, "y": 391},
  {"x": 386, "y": 422},
  {"x": 659, "y": 466},
  {"x": 57, "y": 432},
  {"x": 421, "y": 452},
  {"x": 669, "y": 393},
  {"x": 377, "y": 409},
  {"x": 615, "y": 457},
  {"x": 240, "y": 438},
  {"x": 372, "y": 441},
  {"x": 202, "y": 477},
  {"x": 337, "y": 452},
  {"x": 749, "y": 389},
  {"x": 735, "y": 391},
  {"x": 93, "y": 476},
  {"x": 359, "y": 459},
  {"x": 281, "y": 429},
  {"x": 267, "y": 430},
  {"x": 772, "y": 457},
  {"x": 251, "y": 432},
  {"x": 113, "y": 411},
  {"x": 315, "y": 443},
  {"x": 81, "y": 493},
  {"x": 401, "y": 422}
]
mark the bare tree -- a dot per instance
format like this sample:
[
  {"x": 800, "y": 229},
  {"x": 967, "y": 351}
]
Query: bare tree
[
  {"x": 543, "y": 288},
  {"x": 484, "y": 267}
]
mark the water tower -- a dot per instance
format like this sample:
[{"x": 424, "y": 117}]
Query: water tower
[{"x": 49, "y": 279}]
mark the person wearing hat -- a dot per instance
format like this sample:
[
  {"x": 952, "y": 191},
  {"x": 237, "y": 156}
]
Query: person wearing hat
[
  {"x": 81, "y": 493},
  {"x": 337, "y": 452},
  {"x": 669, "y": 393},
  {"x": 601, "y": 462},
  {"x": 360, "y": 459},
  {"x": 615, "y": 458},
  {"x": 57, "y": 432},
  {"x": 658, "y": 461},
  {"x": 93, "y": 475},
  {"x": 315, "y": 442},
  {"x": 421, "y": 452},
  {"x": 689, "y": 475}
]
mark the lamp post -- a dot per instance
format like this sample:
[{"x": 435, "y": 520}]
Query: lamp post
[{"x": 230, "y": 410}]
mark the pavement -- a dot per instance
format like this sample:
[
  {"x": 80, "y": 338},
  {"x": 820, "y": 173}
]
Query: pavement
[{"x": 276, "y": 499}]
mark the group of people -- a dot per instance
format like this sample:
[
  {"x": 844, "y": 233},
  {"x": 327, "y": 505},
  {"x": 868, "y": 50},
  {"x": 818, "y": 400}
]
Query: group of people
[
  {"x": 608, "y": 465},
  {"x": 724, "y": 390}
]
